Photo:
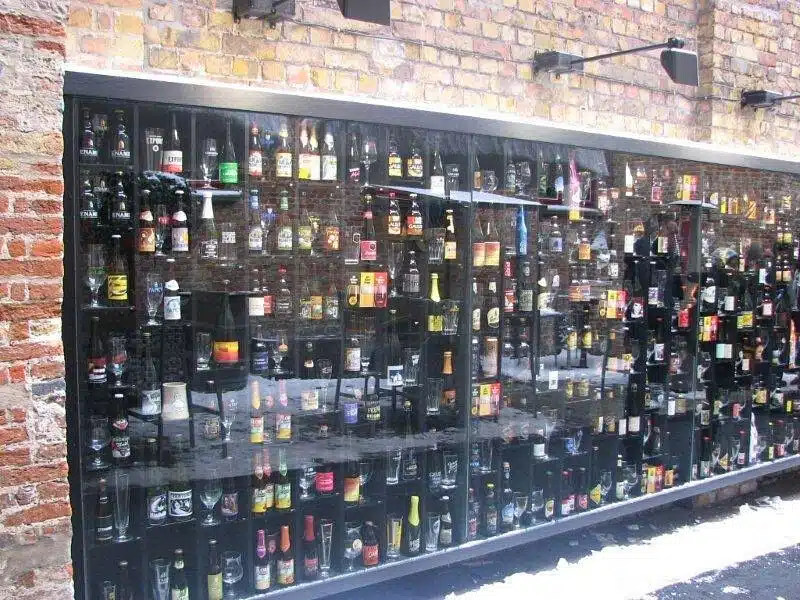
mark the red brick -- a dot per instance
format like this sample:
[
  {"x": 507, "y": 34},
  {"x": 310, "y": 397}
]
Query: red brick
[
  {"x": 48, "y": 46},
  {"x": 26, "y": 351},
  {"x": 30, "y": 225},
  {"x": 47, "y": 370},
  {"x": 18, "y": 331},
  {"x": 52, "y": 490},
  {"x": 15, "y": 458},
  {"x": 47, "y": 248},
  {"x": 45, "y": 291},
  {"x": 16, "y": 248},
  {"x": 18, "y": 415},
  {"x": 38, "y": 514},
  {"x": 17, "y": 373},
  {"x": 49, "y": 207},
  {"x": 26, "y": 579},
  {"x": 50, "y": 452},
  {"x": 17, "y": 292},
  {"x": 34, "y": 474},
  {"x": 23, "y": 312},
  {"x": 31, "y": 26},
  {"x": 3, "y": 417},
  {"x": 38, "y": 268},
  {"x": 13, "y": 435}
]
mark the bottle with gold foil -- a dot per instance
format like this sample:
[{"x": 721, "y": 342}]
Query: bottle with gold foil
[{"x": 256, "y": 416}]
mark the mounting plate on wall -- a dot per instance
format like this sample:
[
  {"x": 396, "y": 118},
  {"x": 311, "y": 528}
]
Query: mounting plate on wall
[{"x": 270, "y": 10}]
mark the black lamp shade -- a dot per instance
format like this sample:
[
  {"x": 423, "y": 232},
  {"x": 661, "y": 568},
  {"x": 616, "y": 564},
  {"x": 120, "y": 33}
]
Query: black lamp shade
[
  {"x": 681, "y": 66},
  {"x": 372, "y": 11}
]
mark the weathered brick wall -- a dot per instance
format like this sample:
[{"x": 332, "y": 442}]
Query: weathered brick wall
[{"x": 34, "y": 496}]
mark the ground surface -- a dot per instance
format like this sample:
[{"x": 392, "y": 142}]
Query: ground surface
[{"x": 748, "y": 548}]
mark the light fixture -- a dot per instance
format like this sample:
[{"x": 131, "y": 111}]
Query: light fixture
[
  {"x": 371, "y": 11},
  {"x": 764, "y": 98},
  {"x": 271, "y": 11},
  {"x": 680, "y": 65}
]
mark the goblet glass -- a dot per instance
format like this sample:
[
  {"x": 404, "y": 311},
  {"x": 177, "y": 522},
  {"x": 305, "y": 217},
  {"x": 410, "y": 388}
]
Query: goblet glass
[
  {"x": 520, "y": 506},
  {"x": 98, "y": 439},
  {"x": 306, "y": 480},
  {"x": 210, "y": 494},
  {"x": 232, "y": 571},
  {"x": 537, "y": 501},
  {"x": 630, "y": 476},
  {"x": 368, "y": 157},
  {"x": 352, "y": 544},
  {"x": 96, "y": 271},
  {"x": 280, "y": 349},
  {"x": 326, "y": 542},
  {"x": 364, "y": 477},
  {"x": 209, "y": 161},
  {"x": 230, "y": 402},
  {"x": 118, "y": 357},
  {"x": 395, "y": 261},
  {"x": 605, "y": 485},
  {"x": 155, "y": 296}
]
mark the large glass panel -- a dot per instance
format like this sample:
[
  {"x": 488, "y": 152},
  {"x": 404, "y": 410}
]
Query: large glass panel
[{"x": 310, "y": 346}]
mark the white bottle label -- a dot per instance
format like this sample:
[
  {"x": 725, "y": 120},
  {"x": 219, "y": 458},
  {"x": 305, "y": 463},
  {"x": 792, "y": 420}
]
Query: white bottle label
[
  {"x": 180, "y": 503},
  {"x": 151, "y": 402},
  {"x": 255, "y": 306},
  {"x": 172, "y": 308},
  {"x": 172, "y": 161}
]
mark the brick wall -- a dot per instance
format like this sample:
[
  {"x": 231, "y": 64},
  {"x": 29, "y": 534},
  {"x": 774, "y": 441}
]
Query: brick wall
[
  {"x": 476, "y": 53},
  {"x": 34, "y": 496}
]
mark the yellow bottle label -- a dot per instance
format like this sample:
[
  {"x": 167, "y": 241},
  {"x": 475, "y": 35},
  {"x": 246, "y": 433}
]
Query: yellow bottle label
[
  {"x": 594, "y": 495},
  {"x": 215, "y": 587},
  {"x": 352, "y": 489},
  {"x": 118, "y": 288}
]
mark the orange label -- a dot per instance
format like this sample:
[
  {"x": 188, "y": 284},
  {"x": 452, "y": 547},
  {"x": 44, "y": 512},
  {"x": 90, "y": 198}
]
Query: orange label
[{"x": 226, "y": 352}]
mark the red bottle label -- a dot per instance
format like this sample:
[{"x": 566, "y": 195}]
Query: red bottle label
[
  {"x": 370, "y": 554},
  {"x": 324, "y": 482},
  {"x": 369, "y": 250}
]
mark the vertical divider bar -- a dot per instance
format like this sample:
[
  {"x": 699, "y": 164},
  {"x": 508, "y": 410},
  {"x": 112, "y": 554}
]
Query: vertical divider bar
[
  {"x": 465, "y": 356},
  {"x": 696, "y": 265}
]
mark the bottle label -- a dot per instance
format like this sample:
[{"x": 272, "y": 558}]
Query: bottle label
[
  {"x": 352, "y": 359},
  {"x": 89, "y": 154},
  {"x": 450, "y": 250},
  {"x": 354, "y": 174},
  {"x": 330, "y": 167},
  {"x": 566, "y": 506},
  {"x": 437, "y": 184},
  {"x": 157, "y": 507},
  {"x": 311, "y": 566},
  {"x": 394, "y": 226},
  {"x": 120, "y": 442},
  {"x": 259, "y": 499},
  {"x": 179, "y": 594},
  {"x": 209, "y": 249},
  {"x": 472, "y": 527},
  {"x": 286, "y": 572},
  {"x": 415, "y": 168},
  {"x": 89, "y": 214},
  {"x": 180, "y": 503},
  {"x": 97, "y": 370},
  {"x": 305, "y": 237},
  {"x": 331, "y": 304},
  {"x": 491, "y": 522},
  {"x": 332, "y": 238},
  {"x": 283, "y": 496},
  {"x": 582, "y": 501},
  {"x": 255, "y": 239},
  {"x": 121, "y": 155},
  {"x": 214, "y": 584},
  {"x": 584, "y": 251},
  {"x": 230, "y": 505},
  {"x": 283, "y": 426},
  {"x": 476, "y": 319},
  {"x": 549, "y": 508},
  {"x": 269, "y": 305},
  {"x": 150, "y": 402},
  {"x": 263, "y": 577},
  {"x": 370, "y": 555},
  {"x": 260, "y": 361},
  {"x": 507, "y": 514},
  {"x": 414, "y": 224},
  {"x": 493, "y": 317},
  {"x": 172, "y": 308},
  {"x": 283, "y": 164},
  {"x": 285, "y": 238},
  {"x": 255, "y": 306},
  {"x": 323, "y": 482},
  {"x": 395, "y": 166},
  {"x": 478, "y": 254},
  {"x": 620, "y": 490},
  {"x": 414, "y": 545},
  {"x": 180, "y": 237},
  {"x": 254, "y": 164},
  {"x": 147, "y": 238},
  {"x": 539, "y": 450},
  {"x": 229, "y": 172},
  {"x": 257, "y": 429},
  {"x": 172, "y": 161},
  {"x": 595, "y": 495},
  {"x": 492, "y": 254},
  {"x": 526, "y": 300},
  {"x": 118, "y": 288},
  {"x": 226, "y": 352}
]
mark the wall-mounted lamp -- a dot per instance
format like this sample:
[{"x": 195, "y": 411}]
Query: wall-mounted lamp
[
  {"x": 680, "y": 65},
  {"x": 269, "y": 10},
  {"x": 372, "y": 11},
  {"x": 764, "y": 98}
]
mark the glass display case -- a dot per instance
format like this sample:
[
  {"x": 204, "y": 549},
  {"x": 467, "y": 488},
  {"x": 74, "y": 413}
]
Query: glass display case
[{"x": 301, "y": 347}]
